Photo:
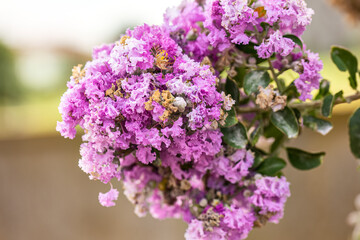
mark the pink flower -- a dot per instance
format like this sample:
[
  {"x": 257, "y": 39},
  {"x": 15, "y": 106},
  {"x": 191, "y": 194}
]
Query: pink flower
[
  {"x": 106, "y": 199},
  {"x": 275, "y": 44}
]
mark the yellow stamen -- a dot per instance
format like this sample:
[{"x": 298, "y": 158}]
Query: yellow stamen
[{"x": 123, "y": 39}]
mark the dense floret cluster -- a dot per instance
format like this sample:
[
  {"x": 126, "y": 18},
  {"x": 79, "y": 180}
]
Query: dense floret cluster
[
  {"x": 268, "y": 26},
  {"x": 153, "y": 106}
]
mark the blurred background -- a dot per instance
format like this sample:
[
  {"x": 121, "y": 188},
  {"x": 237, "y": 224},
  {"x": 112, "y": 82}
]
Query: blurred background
[{"x": 43, "y": 193}]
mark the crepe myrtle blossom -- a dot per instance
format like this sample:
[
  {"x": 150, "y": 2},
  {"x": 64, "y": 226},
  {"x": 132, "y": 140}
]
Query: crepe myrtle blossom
[
  {"x": 308, "y": 65},
  {"x": 141, "y": 96},
  {"x": 107, "y": 199},
  {"x": 220, "y": 26},
  {"x": 153, "y": 111}
]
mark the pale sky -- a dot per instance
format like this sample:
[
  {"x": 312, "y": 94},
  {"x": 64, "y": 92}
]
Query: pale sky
[{"x": 76, "y": 23}]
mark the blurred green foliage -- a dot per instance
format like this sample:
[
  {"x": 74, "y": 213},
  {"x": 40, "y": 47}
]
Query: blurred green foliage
[{"x": 10, "y": 89}]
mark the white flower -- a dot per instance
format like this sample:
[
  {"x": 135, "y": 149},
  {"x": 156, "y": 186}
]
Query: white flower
[{"x": 180, "y": 103}]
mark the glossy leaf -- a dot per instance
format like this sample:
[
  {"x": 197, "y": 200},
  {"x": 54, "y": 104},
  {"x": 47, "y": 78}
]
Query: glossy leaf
[
  {"x": 271, "y": 166},
  {"x": 255, "y": 135},
  {"x": 323, "y": 89},
  {"x": 231, "y": 119},
  {"x": 265, "y": 25},
  {"x": 258, "y": 159},
  {"x": 317, "y": 124},
  {"x": 277, "y": 144},
  {"x": 291, "y": 91},
  {"x": 239, "y": 78},
  {"x": 285, "y": 120},
  {"x": 327, "y": 106},
  {"x": 254, "y": 79},
  {"x": 340, "y": 95},
  {"x": 250, "y": 49},
  {"x": 354, "y": 132},
  {"x": 345, "y": 60},
  {"x": 235, "y": 136},
  {"x": 304, "y": 160},
  {"x": 295, "y": 39},
  {"x": 232, "y": 88}
]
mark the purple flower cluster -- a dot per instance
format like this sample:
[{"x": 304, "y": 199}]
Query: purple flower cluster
[
  {"x": 151, "y": 119},
  {"x": 151, "y": 106},
  {"x": 221, "y": 25},
  {"x": 142, "y": 94},
  {"x": 310, "y": 77},
  {"x": 275, "y": 44},
  {"x": 260, "y": 199},
  {"x": 107, "y": 199}
]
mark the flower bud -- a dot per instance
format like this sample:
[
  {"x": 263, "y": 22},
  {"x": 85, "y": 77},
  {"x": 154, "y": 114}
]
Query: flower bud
[
  {"x": 252, "y": 61},
  {"x": 180, "y": 103}
]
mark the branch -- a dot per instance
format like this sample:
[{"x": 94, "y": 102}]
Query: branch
[
  {"x": 302, "y": 106},
  {"x": 278, "y": 84}
]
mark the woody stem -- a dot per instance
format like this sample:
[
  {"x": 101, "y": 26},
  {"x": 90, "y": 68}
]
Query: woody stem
[{"x": 302, "y": 106}]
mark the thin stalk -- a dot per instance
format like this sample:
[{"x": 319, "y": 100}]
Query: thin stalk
[
  {"x": 302, "y": 106},
  {"x": 280, "y": 87}
]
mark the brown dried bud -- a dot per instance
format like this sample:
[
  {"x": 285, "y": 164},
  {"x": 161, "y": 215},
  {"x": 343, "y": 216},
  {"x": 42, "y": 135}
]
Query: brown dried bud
[
  {"x": 232, "y": 73},
  {"x": 110, "y": 92},
  {"x": 268, "y": 98},
  {"x": 224, "y": 61},
  {"x": 210, "y": 219},
  {"x": 77, "y": 73},
  {"x": 207, "y": 61},
  {"x": 252, "y": 61},
  {"x": 297, "y": 67},
  {"x": 200, "y": 2},
  {"x": 279, "y": 103},
  {"x": 263, "y": 219},
  {"x": 185, "y": 185},
  {"x": 172, "y": 182},
  {"x": 148, "y": 105}
]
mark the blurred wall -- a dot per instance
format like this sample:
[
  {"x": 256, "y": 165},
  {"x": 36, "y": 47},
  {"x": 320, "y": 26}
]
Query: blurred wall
[
  {"x": 329, "y": 27},
  {"x": 44, "y": 195}
]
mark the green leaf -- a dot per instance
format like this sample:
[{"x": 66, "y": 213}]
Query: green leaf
[
  {"x": 270, "y": 131},
  {"x": 291, "y": 91},
  {"x": 286, "y": 122},
  {"x": 249, "y": 49},
  {"x": 323, "y": 89},
  {"x": 304, "y": 160},
  {"x": 297, "y": 114},
  {"x": 321, "y": 126},
  {"x": 239, "y": 78},
  {"x": 345, "y": 60},
  {"x": 255, "y": 135},
  {"x": 327, "y": 105},
  {"x": 295, "y": 39},
  {"x": 224, "y": 74},
  {"x": 231, "y": 119},
  {"x": 232, "y": 88},
  {"x": 258, "y": 158},
  {"x": 271, "y": 166},
  {"x": 235, "y": 136},
  {"x": 354, "y": 132},
  {"x": 275, "y": 147},
  {"x": 339, "y": 94},
  {"x": 254, "y": 79},
  {"x": 265, "y": 25}
]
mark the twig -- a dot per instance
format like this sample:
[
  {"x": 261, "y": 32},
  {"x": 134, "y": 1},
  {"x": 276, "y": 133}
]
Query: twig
[
  {"x": 302, "y": 106},
  {"x": 280, "y": 87}
]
